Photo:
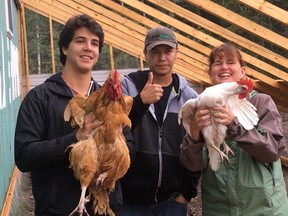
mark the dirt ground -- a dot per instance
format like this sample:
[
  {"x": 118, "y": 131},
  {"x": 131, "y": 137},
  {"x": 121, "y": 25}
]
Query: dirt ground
[{"x": 26, "y": 204}]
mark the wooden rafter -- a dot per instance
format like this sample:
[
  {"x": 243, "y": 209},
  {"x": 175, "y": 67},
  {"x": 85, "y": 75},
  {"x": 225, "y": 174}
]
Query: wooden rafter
[
  {"x": 125, "y": 30},
  {"x": 241, "y": 41},
  {"x": 242, "y": 22},
  {"x": 268, "y": 9}
]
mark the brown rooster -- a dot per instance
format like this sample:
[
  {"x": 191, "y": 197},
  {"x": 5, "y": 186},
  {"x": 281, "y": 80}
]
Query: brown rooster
[{"x": 101, "y": 159}]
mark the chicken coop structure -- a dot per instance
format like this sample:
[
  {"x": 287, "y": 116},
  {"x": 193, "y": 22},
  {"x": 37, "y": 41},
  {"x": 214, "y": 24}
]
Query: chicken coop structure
[{"x": 125, "y": 23}]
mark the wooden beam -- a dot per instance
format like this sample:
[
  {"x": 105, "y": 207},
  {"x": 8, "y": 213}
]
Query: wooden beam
[
  {"x": 241, "y": 22},
  {"x": 142, "y": 20},
  {"x": 280, "y": 85},
  {"x": 129, "y": 37},
  {"x": 9, "y": 196},
  {"x": 193, "y": 32},
  {"x": 21, "y": 47},
  {"x": 279, "y": 96},
  {"x": 46, "y": 10},
  {"x": 141, "y": 62},
  {"x": 111, "y": 57},
  {"x": 110, "y": 28},
  {"x": 26, "y": 51},
  {"x": 268, "y": 9},
  {"x": 116, "y": 17},
  {"x": 241, "y": 41},
  {"x": 52, "y": 44}
]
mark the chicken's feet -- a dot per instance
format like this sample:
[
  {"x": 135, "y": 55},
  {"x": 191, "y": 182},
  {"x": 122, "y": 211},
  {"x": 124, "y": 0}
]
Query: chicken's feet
[
  {"x": 222, "y": 155},
  {"x": 81, "y": 209},
  {"x": 101, "y": 178},
  {"x": 227, "y": 149}
]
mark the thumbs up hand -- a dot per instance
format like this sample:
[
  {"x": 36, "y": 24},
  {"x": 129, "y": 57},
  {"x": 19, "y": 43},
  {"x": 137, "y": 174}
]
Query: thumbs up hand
[{"x": 151, "y": 93}]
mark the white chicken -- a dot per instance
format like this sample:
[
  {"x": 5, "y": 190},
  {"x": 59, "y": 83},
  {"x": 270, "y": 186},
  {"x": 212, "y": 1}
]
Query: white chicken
[{"x": 233, "y": 96}]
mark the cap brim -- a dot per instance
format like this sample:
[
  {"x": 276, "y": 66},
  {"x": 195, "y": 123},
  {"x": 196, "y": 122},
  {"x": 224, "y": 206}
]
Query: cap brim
[{"x": 156, "y": 43}]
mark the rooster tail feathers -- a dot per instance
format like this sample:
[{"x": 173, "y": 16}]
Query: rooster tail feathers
[{"x": 101, "y": 203}]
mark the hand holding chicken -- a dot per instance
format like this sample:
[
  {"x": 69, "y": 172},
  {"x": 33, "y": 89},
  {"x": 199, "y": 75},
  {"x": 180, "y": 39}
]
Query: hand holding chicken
[{"x": 231, "y": 95}]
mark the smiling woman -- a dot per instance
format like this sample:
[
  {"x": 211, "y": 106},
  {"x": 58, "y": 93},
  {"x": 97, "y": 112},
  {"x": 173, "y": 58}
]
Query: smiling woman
[{"x": 254, "y": 170}]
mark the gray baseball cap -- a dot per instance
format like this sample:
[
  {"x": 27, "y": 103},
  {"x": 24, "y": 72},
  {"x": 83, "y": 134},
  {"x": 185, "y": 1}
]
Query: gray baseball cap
[{"x": 160, "y": 35}]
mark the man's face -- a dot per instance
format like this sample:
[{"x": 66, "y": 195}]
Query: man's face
[
  {"x": 83, "y": 50},
  {"x": 161, "y": 59}
]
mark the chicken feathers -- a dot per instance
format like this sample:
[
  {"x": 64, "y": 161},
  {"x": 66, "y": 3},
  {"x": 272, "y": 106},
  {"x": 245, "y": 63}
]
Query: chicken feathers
[
  {"x": 103, "y": 157},
  {"x": 233, "y": 96}
]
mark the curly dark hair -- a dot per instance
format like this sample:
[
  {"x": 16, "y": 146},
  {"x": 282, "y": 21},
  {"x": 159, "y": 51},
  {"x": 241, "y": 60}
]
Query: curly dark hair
[{"x": 73, "y": 24}]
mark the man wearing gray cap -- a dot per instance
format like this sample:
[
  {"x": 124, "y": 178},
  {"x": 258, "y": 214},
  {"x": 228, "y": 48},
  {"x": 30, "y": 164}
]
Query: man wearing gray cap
[{"x": 157, "y": 183}]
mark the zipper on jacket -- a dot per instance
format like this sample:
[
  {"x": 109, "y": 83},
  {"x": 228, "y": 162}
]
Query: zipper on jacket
[
  {"x": 170, "y": 99},
  {"x": 160, "y": 162},
  {"x": 269, "y": 168}
]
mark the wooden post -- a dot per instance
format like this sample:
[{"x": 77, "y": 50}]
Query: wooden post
[
  {"x": 52, "y": 44},
  {"x": 111, "y": 57},
  {"x": 9, "y": 196},
  {"x": 141, "y": 62},
  {"x": 26, "y": 51}
]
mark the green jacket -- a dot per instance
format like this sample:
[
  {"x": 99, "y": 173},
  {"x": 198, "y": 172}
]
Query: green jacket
[{"x": 244, "y": 187}]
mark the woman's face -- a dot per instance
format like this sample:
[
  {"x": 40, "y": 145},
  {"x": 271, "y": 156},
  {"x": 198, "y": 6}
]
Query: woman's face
[{"x": 226, "y": 69}]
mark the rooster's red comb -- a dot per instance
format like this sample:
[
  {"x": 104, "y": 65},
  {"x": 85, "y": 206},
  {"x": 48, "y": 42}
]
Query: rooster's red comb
[{"x": 247, "y": 82}]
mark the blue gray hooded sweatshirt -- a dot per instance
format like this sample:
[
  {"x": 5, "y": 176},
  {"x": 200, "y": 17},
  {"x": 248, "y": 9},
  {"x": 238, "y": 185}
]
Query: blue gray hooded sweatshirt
[{"x": 157, "y": 173}]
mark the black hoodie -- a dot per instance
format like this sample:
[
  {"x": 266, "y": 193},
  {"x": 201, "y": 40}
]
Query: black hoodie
[{"x": 41, "y": 138}]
